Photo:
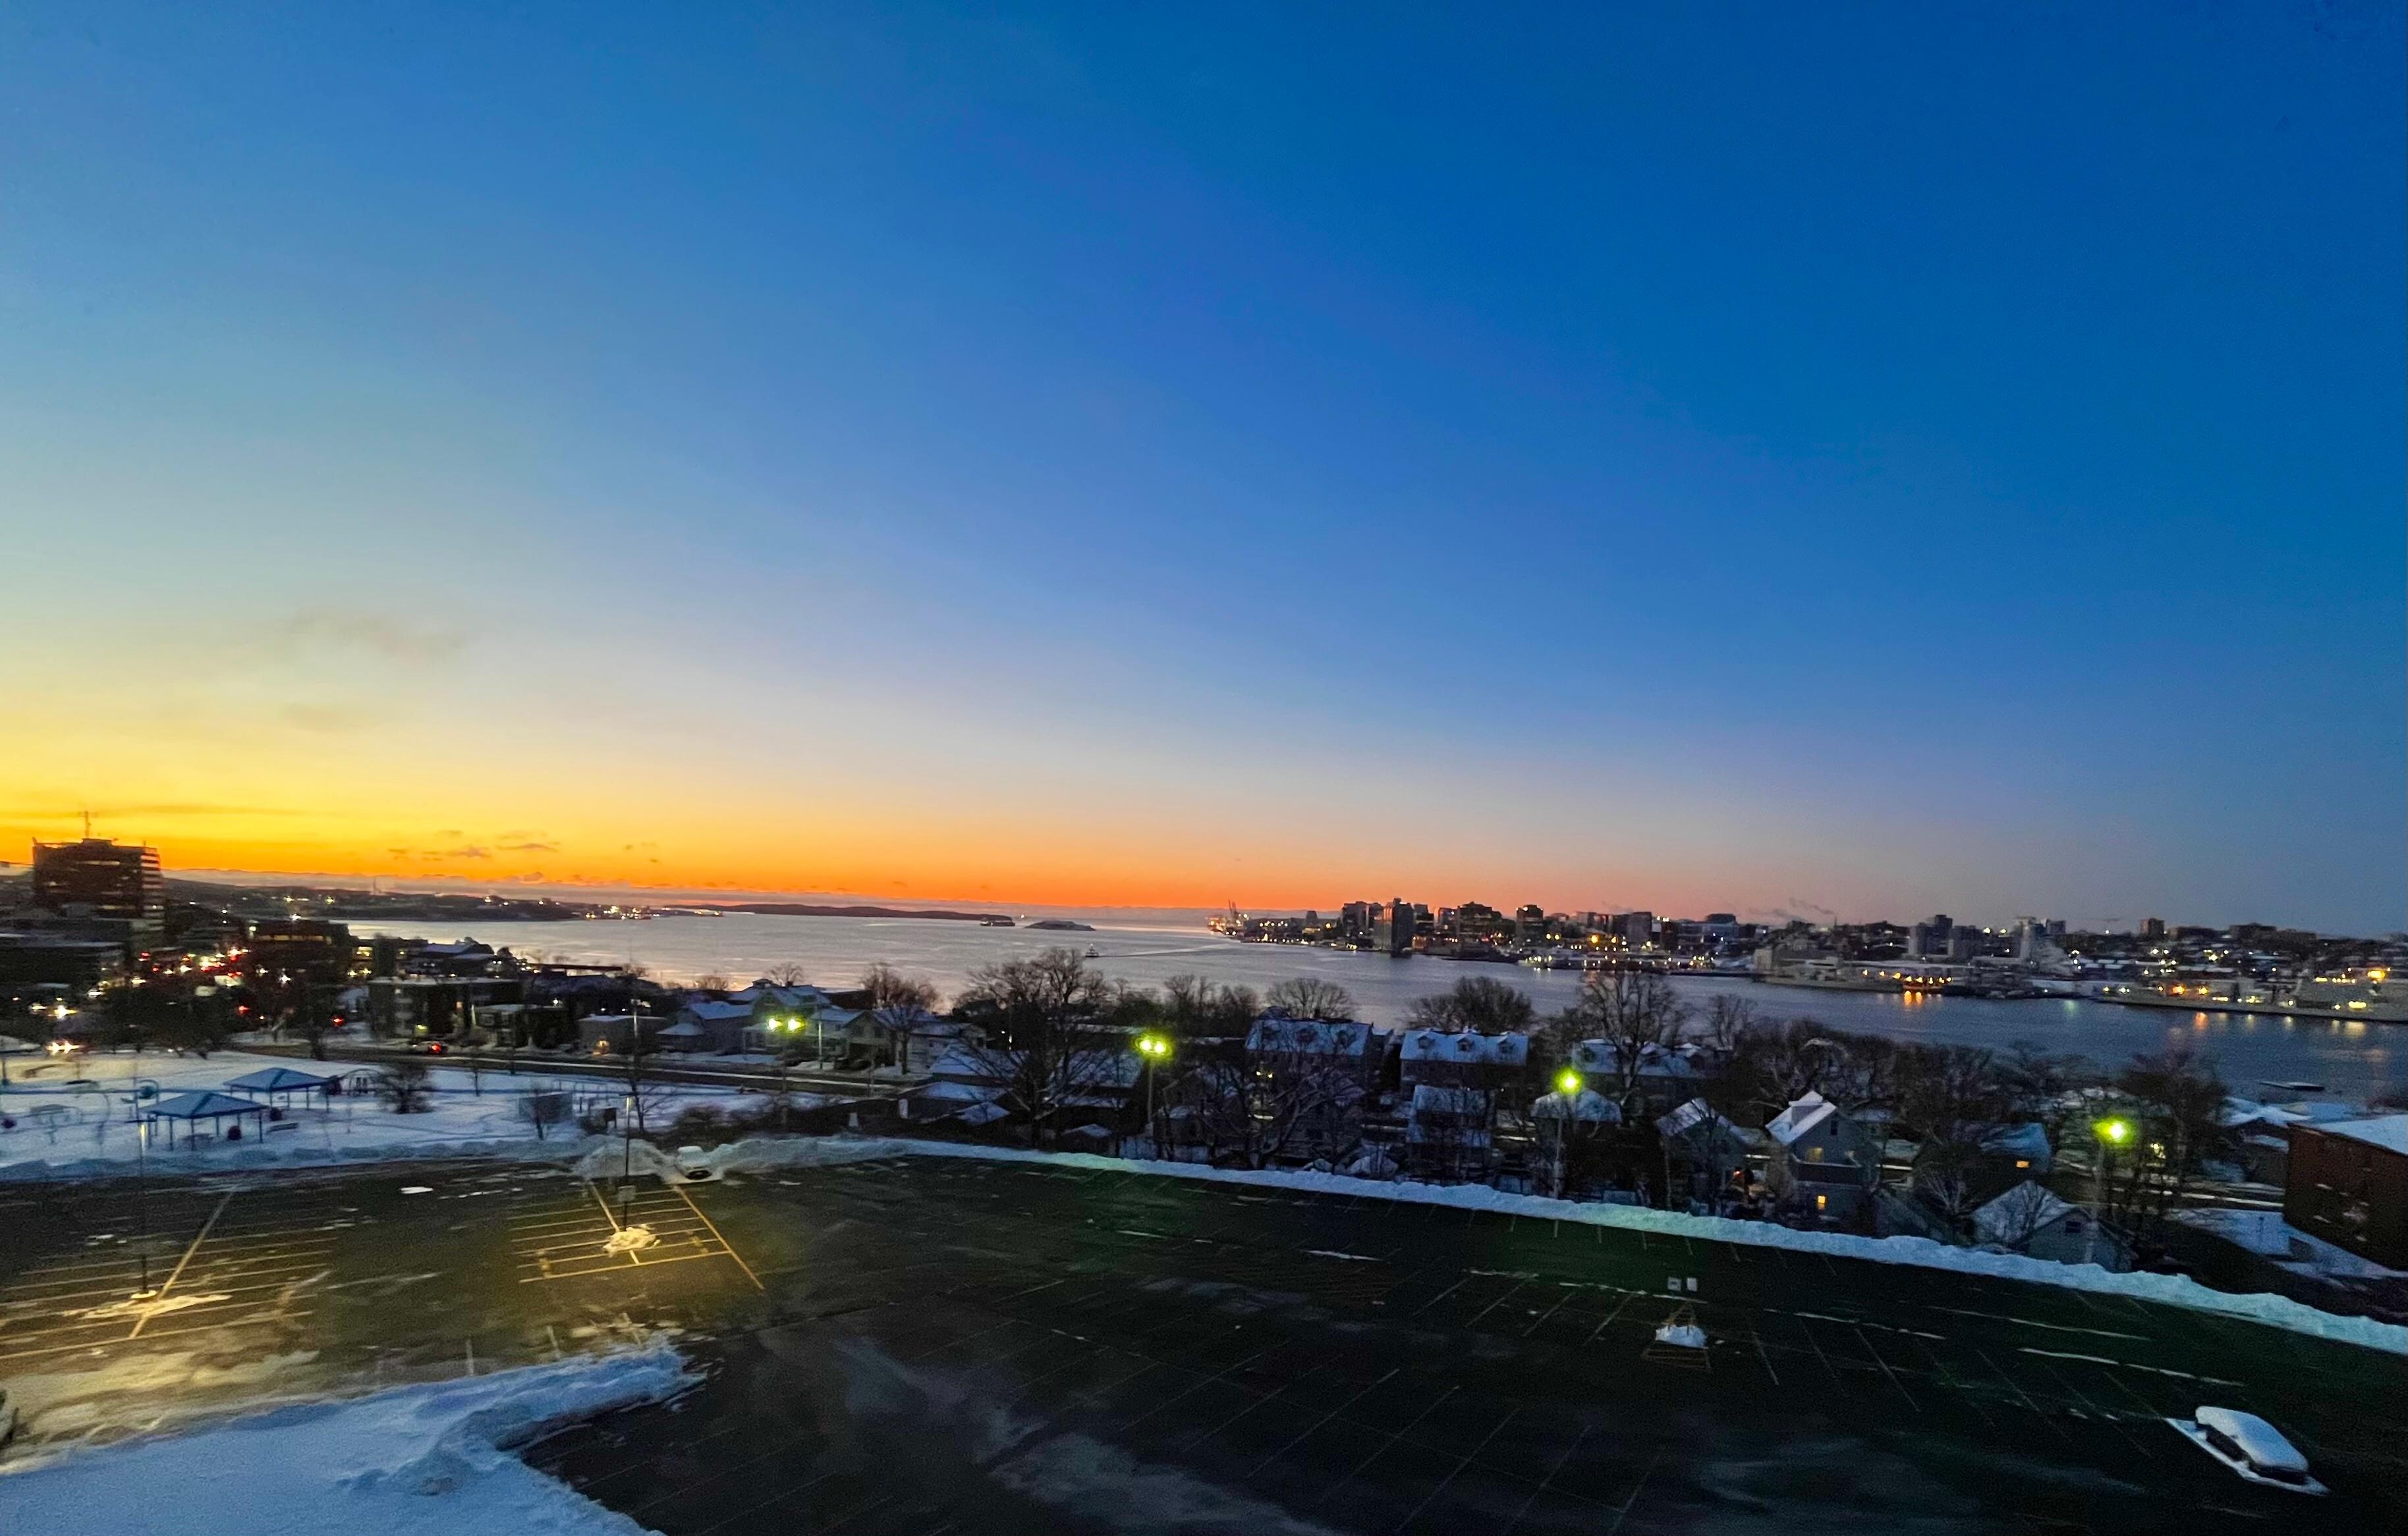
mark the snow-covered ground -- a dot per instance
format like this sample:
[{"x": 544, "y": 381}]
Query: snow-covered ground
[
  {"x": 90, "y": 1131},
  {"x": 2166, "y": 1289},
  {"x": 364, "y": 1467}
]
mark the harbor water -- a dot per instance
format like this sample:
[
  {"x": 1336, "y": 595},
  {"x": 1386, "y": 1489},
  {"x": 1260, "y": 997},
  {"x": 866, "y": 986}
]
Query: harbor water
[{"x": 2352, "y": 1060}]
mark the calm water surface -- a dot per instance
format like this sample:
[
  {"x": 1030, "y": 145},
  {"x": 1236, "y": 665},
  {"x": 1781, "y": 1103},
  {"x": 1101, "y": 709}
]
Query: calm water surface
[{"x": 2352, "y": 1060}]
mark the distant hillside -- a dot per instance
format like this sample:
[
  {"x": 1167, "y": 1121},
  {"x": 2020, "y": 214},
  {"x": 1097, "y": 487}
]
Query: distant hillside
[{"x": 804, "y": 909}]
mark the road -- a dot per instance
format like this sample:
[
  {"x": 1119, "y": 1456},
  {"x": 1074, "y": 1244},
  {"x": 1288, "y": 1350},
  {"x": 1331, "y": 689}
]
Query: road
[
  {"x": 938, "y": 1346},
  {"x": 664, "y": 1068}
]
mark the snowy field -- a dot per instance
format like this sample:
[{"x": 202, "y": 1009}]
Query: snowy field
[
  {"x": 66, "y": 1132},
  {"x": 364, "y": 1467}
]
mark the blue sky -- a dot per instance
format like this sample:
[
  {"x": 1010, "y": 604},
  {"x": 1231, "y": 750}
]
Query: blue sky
[{"x": 1859, "y": 460}]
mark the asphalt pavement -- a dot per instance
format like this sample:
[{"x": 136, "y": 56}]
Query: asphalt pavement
[{"x": 938, "y": 1346}]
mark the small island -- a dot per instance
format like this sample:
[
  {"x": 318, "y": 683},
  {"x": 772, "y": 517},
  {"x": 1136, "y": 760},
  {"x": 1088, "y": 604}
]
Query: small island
[{"x": 1062, "y": 925}]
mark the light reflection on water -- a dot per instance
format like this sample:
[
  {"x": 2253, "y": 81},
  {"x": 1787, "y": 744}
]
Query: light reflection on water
[{"x": 2351, "y": 1058}]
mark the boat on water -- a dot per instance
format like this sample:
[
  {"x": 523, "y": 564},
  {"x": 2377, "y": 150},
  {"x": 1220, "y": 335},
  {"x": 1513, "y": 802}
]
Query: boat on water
[
  {"x": 996, "y": 922},
  {"x": 2290, "y": 1088}
]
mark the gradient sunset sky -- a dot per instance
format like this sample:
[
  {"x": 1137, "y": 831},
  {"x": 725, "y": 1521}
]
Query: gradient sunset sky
[{"x": 1856, "y": 460}]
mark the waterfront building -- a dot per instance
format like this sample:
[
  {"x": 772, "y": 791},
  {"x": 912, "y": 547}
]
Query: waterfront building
[
  {"x": 99, "y": 877},
  {"x": 2348, "y": 1185}
]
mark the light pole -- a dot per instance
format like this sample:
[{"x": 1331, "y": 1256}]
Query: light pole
[
  {"x": 1155, "y": 1048},
  {"x": 1567, "y": 1088},
  {"x": 2106, "y": 1135}
]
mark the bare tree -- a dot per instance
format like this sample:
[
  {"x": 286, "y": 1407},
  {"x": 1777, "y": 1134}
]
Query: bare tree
[
  {"x": 890, "y": 989},
  {"x": 786, "y": 973},
  {"x": 2012, "y": 1219},
  {"x": 1637, "y": 1015},
  {"x": 1043, "y": 1045},
  {"x": 405, "y": 1088},
  {"x": 543, "y": 1107},
  {"x": 1195, "y": 1008},
  {"x": 1297, "y": 1094},
  {"x": 2176, "y": 1097},
  {"x": 1728, "y": 1021},
  {"x": 644, "y": 1093},
  {"x": 1309, "y": 997},
  {"x": 1482, "y": 1005},
  {"x": 1952, "y": 1097},
  {"x": 711, "y": 982}
]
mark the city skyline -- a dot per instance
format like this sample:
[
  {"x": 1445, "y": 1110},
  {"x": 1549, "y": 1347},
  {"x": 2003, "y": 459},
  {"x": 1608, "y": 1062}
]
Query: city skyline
[{"x": 1861, "y": 465}]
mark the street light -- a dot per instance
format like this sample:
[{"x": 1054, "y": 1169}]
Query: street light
[
  {"x": 1567, "y": 1083},
  {"x": 2109, "y": 1135},
  {"x": 1155, "y": 1048}
]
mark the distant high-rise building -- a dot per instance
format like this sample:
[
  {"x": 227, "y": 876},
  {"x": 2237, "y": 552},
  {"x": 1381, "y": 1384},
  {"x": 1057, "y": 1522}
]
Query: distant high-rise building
[
  {"x": 1636, "y": 927},
  {"x": 1529, "y": 922},
  {"x": 101, "y": 877},
  {"x": 1401, "y": 924},
  {"x": 1354, "y": 919},
  {"x": 2153, "y": 928}
]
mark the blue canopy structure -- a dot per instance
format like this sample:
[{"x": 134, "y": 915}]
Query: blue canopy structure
[
  {"x": 275, "y": 1080},
  {"x": 192, "y": 1108}
]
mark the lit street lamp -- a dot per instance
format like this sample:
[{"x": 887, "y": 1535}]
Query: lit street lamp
[
  {"x": 1568, "y": 1090},
  {"x": 1155, "y": 1048},
  {"x": 2107, "y": 1134}
]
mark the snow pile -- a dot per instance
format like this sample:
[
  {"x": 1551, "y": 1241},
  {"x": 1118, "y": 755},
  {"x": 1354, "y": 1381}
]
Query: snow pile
[
  {"x": 421, "y": 1459},
  {"x": 2164, "y": 1289}
]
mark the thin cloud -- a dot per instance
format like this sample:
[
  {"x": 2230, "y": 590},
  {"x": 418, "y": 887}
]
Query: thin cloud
[{"x": 381, "y": 635}]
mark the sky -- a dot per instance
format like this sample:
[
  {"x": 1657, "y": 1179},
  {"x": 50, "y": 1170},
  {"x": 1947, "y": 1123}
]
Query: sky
[{"x": 1856, "y": 460}]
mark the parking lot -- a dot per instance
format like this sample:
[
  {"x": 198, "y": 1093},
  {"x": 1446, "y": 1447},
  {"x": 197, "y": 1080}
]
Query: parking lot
[{"x": 953, "y": 1345}]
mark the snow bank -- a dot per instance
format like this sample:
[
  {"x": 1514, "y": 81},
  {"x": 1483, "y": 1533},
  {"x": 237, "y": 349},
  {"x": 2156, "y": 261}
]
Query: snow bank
[
  {"x": 2164, "y": 1289},
  {"x": 417, "y": 1461}
]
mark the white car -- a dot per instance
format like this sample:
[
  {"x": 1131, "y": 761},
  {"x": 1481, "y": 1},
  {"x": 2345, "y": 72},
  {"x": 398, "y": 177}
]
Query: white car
[
  {"x": 2250, "y": 1447},
  {"x": 694, "y": 1163}
]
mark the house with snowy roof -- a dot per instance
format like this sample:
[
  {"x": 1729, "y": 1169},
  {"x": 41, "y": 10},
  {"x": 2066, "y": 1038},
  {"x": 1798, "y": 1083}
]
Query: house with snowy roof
[
  {"x": 1460, "y": 1058},
  {"x": 2035, "y": 1220},
  {"x": 706, "y": 1024},
  {"x": 1450, "y": 1133},
  {"x": 1357, "y": 1049},
  {"x": 1825, "y": 1164},
  {"x": 904, "y": 1037},
  {"x": 1705, "y": 1154},
  {"x": 1666, "y": 1075}
]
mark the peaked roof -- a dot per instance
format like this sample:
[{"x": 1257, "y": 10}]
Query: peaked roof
[
  {"x": 277, "y": 1080},
  {"x": 1588, "y": 1105},
  {"x": 204, "y": 1105},
  {"x": 1510, "y": 1050},
  {"x": 2012, "y": 1216},
  {"x": 1688, "y": 1117},
  {"x": 1802, "y": 1116}
]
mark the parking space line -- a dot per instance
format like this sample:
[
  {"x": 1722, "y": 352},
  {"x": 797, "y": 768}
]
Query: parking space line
[
  {"x": 1395, "y": 1439},
  {"x": 1876, "y": 1353},
  {"x": 723, "y": 1243},
  {"x": 1611, "y": 1314},
  {"x": 155, "y": 1335},
  {"x": 1458, "y": 1467},
  {"x": 203, "y": 1237},
  {"x": 1807, "y": 1328},
  {"x": 2025, "y": 1398}
]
